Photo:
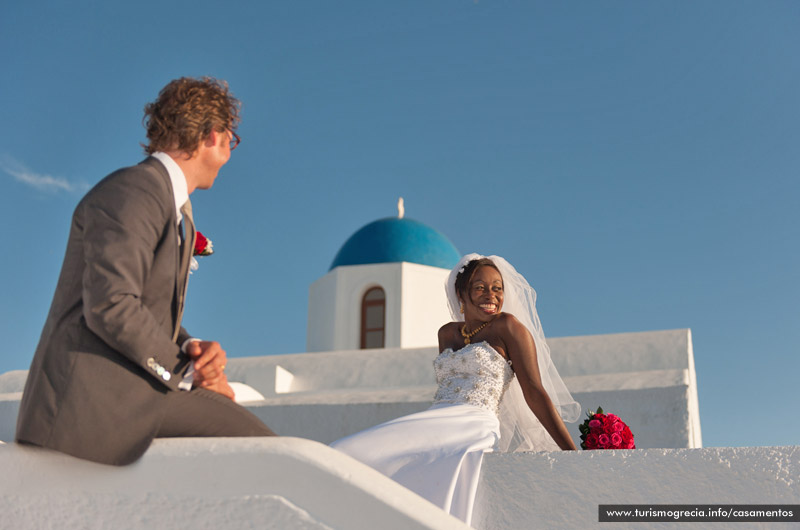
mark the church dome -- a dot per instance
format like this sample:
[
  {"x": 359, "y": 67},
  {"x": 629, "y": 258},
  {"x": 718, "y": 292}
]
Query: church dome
[{"x": 396, "y": 239}]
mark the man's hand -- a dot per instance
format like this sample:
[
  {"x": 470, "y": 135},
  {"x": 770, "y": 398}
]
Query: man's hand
[
  {"x": 209, "y": 365},
  {"x": 221, "y": 387}
]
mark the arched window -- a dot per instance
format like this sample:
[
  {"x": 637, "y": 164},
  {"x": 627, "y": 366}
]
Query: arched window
[{"x": 373, "y": 319}]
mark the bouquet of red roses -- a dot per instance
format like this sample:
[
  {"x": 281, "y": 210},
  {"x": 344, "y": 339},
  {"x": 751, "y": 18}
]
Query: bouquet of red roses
[{"x": 605, "y": 431}]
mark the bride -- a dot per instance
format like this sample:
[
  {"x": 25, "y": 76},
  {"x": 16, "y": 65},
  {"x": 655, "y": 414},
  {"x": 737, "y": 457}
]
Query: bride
[{"x": 498, "y": 390}]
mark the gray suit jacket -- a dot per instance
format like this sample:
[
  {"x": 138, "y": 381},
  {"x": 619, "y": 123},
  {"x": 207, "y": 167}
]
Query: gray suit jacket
[{"x": 106, "y": 357}]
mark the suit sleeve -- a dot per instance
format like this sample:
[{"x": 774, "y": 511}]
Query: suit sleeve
[
  {"x": 125, "y": 228},
  {"x": 183, "y": 336}
]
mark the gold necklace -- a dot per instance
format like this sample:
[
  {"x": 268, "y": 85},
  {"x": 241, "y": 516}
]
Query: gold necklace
[{"x": 469, "y": 335}]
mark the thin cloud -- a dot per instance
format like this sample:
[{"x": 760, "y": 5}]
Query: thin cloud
[{"x": 39, "y": 181}]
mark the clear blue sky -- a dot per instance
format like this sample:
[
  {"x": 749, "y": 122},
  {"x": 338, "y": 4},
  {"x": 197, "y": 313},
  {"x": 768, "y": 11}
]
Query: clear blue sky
[{"x": 637, "y": 161}]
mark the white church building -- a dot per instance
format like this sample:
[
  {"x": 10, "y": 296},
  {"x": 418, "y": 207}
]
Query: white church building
[{"x": 372, "y": 337}]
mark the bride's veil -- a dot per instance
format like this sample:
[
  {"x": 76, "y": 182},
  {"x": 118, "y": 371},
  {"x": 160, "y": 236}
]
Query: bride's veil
[{"x": 519, "y": 428}]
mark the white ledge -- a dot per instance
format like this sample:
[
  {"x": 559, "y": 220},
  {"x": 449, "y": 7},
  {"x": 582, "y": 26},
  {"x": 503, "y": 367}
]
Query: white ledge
[{"x": 223, "y": 483}]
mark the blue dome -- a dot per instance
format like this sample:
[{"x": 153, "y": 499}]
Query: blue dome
[{"x": 392, "y": 240}]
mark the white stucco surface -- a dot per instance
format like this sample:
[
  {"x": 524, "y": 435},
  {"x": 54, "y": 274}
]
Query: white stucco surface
[
  {"x": 564, "y": 489},
  {"x": 424, "y": 305},
  {"x": 646, "y": 378},
  {"x": 416, "y": 305},
  {"x": 13, "y": 381},
  {"x": 289, "y": 484},
  {"x": 259, "y": 483}
]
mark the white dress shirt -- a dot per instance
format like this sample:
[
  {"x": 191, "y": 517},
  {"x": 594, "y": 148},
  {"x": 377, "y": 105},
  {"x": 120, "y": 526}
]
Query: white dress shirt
[{"x": 180, "y": 190}]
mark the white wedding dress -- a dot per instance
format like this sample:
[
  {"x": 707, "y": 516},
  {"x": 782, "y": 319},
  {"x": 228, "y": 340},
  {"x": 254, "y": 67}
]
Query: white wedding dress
[{"x": 437, "y": 453}]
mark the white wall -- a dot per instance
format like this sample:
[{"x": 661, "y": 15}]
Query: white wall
[
  {"x": 11, "y": 385},
  {"x": 9, "y": 408},
  {"x": 424, "y": 308},
  {"x": 346, "y": 370},
  {"x": 564, "y": 489},
  {"x": 293, "y": 484},
  {"x": 323, "y": 313},
  {"x": 221, "y": 483},
  {"x": 646, "y": 378},
  {"x": 622, "y": 352},
  {"x": 658, "y": 416},
  {"x": 661, "y": 353},
  {"x": 416, "y": 306}
]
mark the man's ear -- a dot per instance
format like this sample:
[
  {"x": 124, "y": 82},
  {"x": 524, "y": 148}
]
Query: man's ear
[{"x": 212, "y": 138}]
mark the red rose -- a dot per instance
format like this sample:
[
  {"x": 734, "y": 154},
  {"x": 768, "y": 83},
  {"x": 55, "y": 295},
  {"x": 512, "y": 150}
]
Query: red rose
[
  {"x": 616, "y": 440},
  {"x": 603, "y": 440},
  {"x": 202, "y": 245},
  {"x": 627, "y": 438},
  {"x": 594, "y": 424},
  {"x": 591, "y": 441}
]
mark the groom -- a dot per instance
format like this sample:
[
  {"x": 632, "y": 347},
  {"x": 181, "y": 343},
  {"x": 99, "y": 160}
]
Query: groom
[{"x": 114, "y": 368}]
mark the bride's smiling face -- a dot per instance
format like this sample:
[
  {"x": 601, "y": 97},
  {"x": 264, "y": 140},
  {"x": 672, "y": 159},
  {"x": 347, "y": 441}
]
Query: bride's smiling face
[{"x": 485, "y": 293}]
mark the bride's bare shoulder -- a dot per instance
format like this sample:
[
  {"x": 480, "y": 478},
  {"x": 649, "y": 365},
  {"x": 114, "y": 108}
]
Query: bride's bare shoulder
[
  {"x": 450, "y": 327},
  {"x": 447, "y": 335},
  {"x": 508, "y": 320},
  {"x": 508, "y": 323}
]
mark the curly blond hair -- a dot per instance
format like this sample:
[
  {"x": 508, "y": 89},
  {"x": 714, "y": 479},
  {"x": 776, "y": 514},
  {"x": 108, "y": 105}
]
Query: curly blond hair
[{"x": 186, "y": 111}]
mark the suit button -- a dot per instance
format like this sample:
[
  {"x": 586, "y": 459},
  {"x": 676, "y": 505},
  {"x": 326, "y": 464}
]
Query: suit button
[
  {"x": 159, "y": 369},
  {"x": 166, "y": 376},
  {"x": 151, "y": 362}
]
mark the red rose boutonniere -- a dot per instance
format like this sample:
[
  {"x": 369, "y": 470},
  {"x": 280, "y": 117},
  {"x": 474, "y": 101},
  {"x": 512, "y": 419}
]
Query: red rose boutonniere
[
  {"x": 605, "y": 431},
  {"x": 202, "y": 245}
]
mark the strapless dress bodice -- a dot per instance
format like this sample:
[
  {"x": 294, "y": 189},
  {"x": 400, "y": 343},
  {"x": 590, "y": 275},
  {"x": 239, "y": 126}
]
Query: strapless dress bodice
[{"x": 474, "y": 375}]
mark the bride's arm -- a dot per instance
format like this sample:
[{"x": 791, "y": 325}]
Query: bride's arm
[{"x": 521, "y": 350}]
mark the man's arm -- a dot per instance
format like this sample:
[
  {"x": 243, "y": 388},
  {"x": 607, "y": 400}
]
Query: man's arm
[{"x": 125, "y": 228}]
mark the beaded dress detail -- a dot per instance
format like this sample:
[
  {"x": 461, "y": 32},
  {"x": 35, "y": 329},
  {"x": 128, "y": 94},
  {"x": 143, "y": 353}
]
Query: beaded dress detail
[{"x": 474, "y": 375}]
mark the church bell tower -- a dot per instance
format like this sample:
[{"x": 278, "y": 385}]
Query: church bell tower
[{"x": 384, "y": 289}]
